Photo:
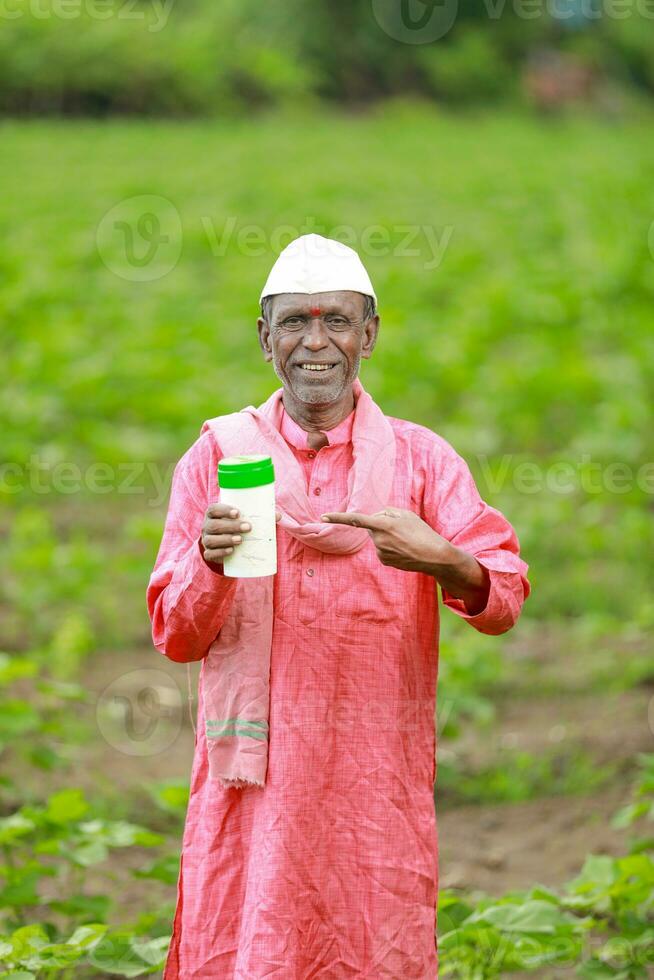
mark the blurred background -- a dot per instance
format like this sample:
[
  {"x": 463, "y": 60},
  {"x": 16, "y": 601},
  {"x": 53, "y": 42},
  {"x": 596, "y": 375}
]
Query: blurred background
[{"x": 493, "y": 164}]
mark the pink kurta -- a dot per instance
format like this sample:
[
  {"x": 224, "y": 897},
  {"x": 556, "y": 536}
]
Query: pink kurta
[{"x": 331, "y": 870}]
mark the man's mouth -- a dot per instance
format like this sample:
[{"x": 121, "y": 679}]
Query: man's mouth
[{"x": 315, "y": 368}]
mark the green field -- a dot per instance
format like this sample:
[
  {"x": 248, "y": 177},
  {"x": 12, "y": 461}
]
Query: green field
[{"x": 513, "y": 259}]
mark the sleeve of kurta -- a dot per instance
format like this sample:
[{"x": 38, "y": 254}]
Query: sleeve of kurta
[
  {"x": 454, "y": 508},
  {"x": 188, "y": 600}
]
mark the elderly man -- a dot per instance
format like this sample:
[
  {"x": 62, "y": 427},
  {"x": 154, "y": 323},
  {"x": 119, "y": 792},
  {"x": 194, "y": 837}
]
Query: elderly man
[{"x": 310, "y": 845}]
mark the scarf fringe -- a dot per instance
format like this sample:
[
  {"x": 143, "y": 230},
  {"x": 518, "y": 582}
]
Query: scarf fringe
[{"x": 238, "y": 783}]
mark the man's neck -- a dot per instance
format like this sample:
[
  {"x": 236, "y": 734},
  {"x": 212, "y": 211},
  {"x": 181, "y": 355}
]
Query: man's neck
[{"x": 316, "y": 419}]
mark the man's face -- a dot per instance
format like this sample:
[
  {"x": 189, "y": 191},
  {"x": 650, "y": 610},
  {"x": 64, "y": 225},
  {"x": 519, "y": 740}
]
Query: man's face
[{"x": 317, "y": 329}]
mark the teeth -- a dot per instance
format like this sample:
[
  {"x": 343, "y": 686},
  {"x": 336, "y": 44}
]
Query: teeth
[{"x": 316, "y": 367}]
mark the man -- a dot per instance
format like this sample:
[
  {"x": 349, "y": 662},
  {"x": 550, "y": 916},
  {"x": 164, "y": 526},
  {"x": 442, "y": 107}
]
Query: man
[{"x": 325, "y": 864}]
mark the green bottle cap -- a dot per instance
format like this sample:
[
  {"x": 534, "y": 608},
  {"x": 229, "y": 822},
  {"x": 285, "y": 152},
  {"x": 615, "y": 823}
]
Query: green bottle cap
[{"x": 245, "y": 471}]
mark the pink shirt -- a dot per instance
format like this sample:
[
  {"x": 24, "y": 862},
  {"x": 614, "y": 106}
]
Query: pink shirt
[
  {"x": 332, "y": 869},
  {"x": 296, "y": 437}
]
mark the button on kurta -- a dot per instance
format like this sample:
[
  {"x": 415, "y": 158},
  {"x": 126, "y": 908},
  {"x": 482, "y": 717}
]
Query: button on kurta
[
  {"x": 317, "y": 491},
  {"x": 309, "y": 571}
]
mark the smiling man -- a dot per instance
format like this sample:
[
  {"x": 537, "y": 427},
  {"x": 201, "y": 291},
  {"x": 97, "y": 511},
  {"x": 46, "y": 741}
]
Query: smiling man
[{"x": 310, "y": 845}]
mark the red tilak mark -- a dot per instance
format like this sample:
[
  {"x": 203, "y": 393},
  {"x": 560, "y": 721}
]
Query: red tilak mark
[{"x": 315, "y": 311}]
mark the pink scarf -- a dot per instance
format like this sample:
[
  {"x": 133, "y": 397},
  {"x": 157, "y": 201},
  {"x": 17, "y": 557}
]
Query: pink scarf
[{"x": 236, "y": 670}]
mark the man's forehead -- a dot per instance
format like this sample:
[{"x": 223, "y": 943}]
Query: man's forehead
[{"x": 326, "y": 302}]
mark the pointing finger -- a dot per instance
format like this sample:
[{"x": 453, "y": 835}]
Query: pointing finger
[{"x": 372, "y": 522}]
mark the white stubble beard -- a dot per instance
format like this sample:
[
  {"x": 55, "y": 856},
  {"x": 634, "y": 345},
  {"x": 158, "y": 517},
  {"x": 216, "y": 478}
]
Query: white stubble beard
[{"x": 316, "y": 392}]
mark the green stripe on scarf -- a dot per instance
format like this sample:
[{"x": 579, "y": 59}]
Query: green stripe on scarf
[
  {"x": 237, "y": 730},
  {"x": 238, "y": 721}
]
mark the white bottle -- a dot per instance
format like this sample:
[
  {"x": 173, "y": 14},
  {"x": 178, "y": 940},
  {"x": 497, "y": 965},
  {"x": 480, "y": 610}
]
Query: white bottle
[{"x": 248, "y": 483}]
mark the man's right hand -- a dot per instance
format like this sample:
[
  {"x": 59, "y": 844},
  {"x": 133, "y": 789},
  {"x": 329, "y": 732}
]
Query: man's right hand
[{"x": 223, "y": 530}]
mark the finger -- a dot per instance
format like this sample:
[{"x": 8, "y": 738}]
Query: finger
[
  {"x": 224, "y": 525},
  {"x": 278, "y": 515},
  {"x": 222, "y": 510},
  {"x": 217, "y": 554},
  {"x": 372, "y": 522},
  {"x": 212, "y": 541}
]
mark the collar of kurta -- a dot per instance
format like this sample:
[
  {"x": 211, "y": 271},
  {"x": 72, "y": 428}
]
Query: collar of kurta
[{"x": 297, "y": 436}]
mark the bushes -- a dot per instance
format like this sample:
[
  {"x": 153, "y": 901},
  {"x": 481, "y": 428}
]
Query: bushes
[
  {"x": 472, "y": 70},
  {"x": 601, "y": 922},
  {"x": 188, "y": 64},
  {"x": 202, "y": 58}
]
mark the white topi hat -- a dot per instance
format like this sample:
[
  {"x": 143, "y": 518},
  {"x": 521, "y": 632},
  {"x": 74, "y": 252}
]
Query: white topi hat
[{"x": 313, "y": 264}]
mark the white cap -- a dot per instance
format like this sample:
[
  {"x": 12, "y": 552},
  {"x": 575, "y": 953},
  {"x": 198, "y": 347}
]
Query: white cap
[{"x": 313, "y": 264}]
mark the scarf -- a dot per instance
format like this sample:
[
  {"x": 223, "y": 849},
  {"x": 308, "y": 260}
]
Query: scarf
[{"x": 236, "y": 670}]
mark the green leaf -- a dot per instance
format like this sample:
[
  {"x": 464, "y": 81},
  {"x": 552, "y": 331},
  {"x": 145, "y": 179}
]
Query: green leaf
[
  {"x": 46, "y": 758},
  {"x": 116, "y": 953},
  {"x": 17, "y": 718},
  {"x": 534, "y": 916},
  {"x": 66, "y": 690},
  {"x": 15, "y": 826},
  {"x": 599, "y": 872},
  {"x": 120, "y": 833},
  {"x": 83, "y": 906},
  {"x": 66, "y": 806},
  {"x": 53, "y": 955},
  {"x": 170, "y": 795},
  {"x": 148, "y": 838},
  {"x": 153, "y": 951},
  {"x": 628, "y": 814},
  {"x": 12, "y": 668},
  {"x": 166, "y": 869},
  {"x": 546, "y": 894},
  {"x": 28, "y": 938},
  {"x": 87, "y": 936},
  {"x": 594, "y": 969},
  {"x": 21, "y": 889},
  {"x": 90, "y": 853}
]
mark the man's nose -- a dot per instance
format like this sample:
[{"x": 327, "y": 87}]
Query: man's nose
[{"x": 315, "y": 336}]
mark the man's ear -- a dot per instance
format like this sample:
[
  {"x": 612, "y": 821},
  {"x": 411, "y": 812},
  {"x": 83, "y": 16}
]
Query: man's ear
[
  {"x": 264, "y": 338},
  {"x": 370, "y": 331}
]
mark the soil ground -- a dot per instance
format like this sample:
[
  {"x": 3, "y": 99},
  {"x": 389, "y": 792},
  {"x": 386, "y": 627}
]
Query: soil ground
[{"x": 491, "y": 847}]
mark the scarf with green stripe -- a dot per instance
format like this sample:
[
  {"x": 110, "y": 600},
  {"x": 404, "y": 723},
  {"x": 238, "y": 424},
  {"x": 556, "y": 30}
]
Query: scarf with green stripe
[{"x": 235, "y": 678}]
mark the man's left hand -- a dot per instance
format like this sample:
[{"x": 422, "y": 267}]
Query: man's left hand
[{"x": 403, "y": 540}]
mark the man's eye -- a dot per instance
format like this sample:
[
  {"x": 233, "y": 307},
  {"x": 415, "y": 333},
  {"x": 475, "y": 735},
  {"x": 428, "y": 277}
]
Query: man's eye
[
  {"x": 292, "y": 321},
  {"x": 338, "y": 321}
]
